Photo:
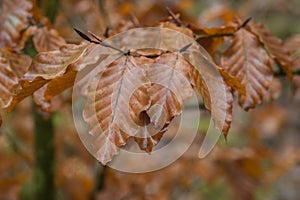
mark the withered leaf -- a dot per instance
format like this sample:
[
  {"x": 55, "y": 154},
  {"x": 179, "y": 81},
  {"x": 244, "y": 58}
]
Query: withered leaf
[
  {"x": 232, "y": 81},
  {"x": 12, "y": 67},
  {"x": 206, "y": 79},
  {"x": 246, "y": 60},
  {"x": 14, "y": 15},
  {"x": 46, "y": 106},
  {"x": 109, "y": 112},
  {"x": 214, "y": 99},
  {"x": 46, "y": 39},
  {"x": 170, "y": 87},
  {"x": 48, "y": 66},
  {"x": 212, "y": 38},
  {"x": 275, "y": 47}
]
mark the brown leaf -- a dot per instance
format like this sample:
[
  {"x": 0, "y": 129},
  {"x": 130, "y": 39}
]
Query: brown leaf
[
  {"x": 233, "y": 82},
  {"x": 49, "y": 66},
  {"x": 170, "y": 87},
  {"x": 205, "y": 77},
  {"x": 109, "y": 112},
  {"x": 212, "y": 38},
  {"x": 226, "y": 103},
  {"x": 13, "y": 19},
  {"x": 251, "y": 65},
  {"x": 46, "y": 106},
  {"x": 46, "y": 39},
  {"x": 275, "y": 47},
  {"x": 12, "y": 68}
]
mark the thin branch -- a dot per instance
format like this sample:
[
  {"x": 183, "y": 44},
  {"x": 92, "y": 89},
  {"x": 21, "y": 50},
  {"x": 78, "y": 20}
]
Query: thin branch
[
  {"x": 245, "y": 23},
  {"x": 174, "y": 17},
  {"x": 97, "y": 41},
  {"x": 281, "y": 73}
]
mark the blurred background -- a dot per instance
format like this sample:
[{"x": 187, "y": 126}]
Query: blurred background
[{"x": 260, "y": 160}]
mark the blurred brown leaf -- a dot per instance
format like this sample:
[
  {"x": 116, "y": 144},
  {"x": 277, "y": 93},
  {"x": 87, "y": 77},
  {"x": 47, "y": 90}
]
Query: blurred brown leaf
[
  {"x": 275, "y": 47},
  {"x": 12, "y": 67},
  {"x": 46, "y": 39},
  {"x": 213, "y": 38},
  {"x": 14, "y": 18},
  {"x": 250, "y": 64},
  {"x": 49, "y": 66}
]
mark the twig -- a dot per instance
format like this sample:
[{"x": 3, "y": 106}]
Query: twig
[
  {"x": 281, "y": 73},
  {"x": 98, "y": 41},
  {"x": 174, "y": 17}
]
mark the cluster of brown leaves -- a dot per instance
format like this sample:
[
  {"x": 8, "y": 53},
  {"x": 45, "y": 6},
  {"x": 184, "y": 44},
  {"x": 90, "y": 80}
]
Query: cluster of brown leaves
[
  {"x": 18, "y": 25},
  {"x": 246, "y": 67}
]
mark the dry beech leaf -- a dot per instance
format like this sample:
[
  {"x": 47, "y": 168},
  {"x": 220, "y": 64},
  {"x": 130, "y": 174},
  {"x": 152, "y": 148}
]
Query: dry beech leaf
[
  {"x": 206, "y": 78},
  {"x": 275, "y": 47},
  {"x": 233, "y": 82},
  {"x": 250, "y": 64},
  {"x": 47, "y": 67},
  {"x": 166, "y": 82},
  {"x": 13, "y": 19},
  {"x": 224, "y": 106},
  {"x": 46, "y": 106},
  {"x": 170, "y": 87},
  {"x": 148, "y": 135},
  {"x": 46, "y": 39},
  {"x": 212, "y": 38},
  {"x": 12, "y": 68},
  {"x": 110, "y": 116}
]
